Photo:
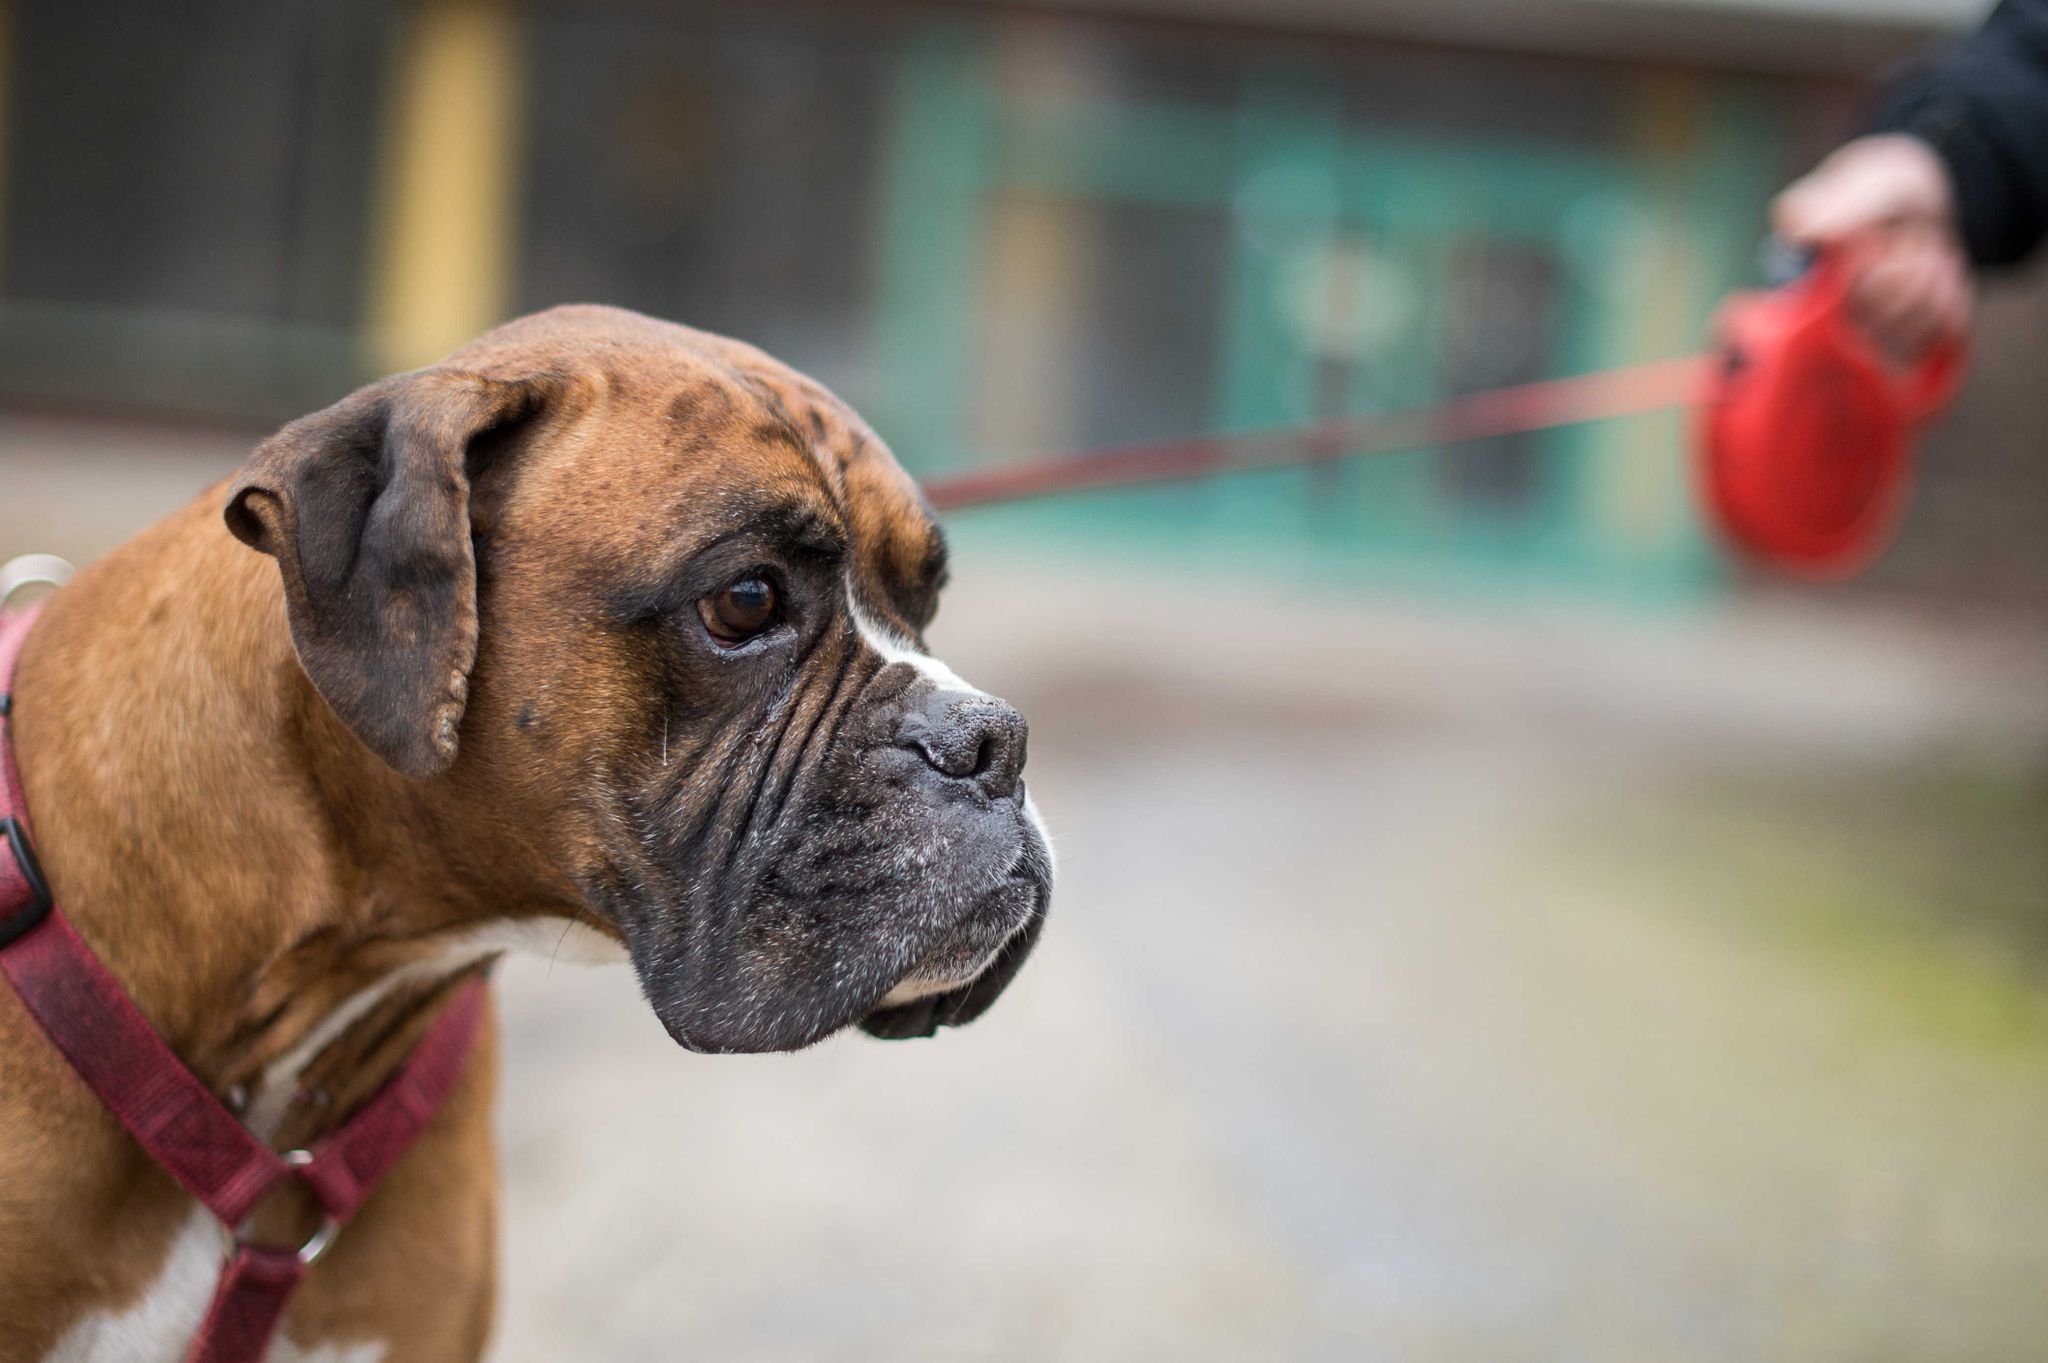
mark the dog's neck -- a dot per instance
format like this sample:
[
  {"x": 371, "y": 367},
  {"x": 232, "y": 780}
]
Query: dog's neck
[{"x": 215, "y": 836}]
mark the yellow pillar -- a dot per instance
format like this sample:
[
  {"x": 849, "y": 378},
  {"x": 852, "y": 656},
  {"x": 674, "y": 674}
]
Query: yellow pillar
[
  {"x": 442, "y": 253},
  {"x": 1643, "y": 496}
]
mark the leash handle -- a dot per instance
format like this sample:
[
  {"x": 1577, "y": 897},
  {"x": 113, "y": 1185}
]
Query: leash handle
[
  {"x": 1805, "y": 445},
  {"x": 1922, "y": 386}
]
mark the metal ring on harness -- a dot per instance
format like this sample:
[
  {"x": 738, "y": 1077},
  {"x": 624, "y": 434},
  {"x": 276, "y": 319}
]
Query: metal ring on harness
[{"x": 316, "y": 1244}]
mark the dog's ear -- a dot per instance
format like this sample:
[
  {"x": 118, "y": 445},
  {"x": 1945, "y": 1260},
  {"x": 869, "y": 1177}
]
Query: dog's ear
[{"x": 366, "y": 508}]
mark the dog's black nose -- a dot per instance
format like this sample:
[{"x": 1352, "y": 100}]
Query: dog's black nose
[{"x": 969, "y": 737}]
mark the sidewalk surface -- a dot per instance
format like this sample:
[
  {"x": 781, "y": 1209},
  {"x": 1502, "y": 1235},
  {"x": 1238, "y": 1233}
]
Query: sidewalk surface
[{"x": 1420, "y": 986}]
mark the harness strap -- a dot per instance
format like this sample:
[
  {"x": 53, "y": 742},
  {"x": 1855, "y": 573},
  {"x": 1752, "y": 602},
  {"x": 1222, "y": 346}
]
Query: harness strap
[
  {"x": 248, "y": 1303},
  {"x": 171, "y": 1113}
]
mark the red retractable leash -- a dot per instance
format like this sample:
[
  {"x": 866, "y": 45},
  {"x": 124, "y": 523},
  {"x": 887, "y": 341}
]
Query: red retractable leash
[
  {"x": 1805, "y": 442},
  {"x": 1802, "y": 440}
]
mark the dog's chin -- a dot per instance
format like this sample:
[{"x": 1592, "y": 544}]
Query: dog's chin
[
  {"x": 956, "y": 983},
  {"x": 953, "y": 966},
  {"x": 902, "y": 965},
  {"x": 739, "y": 1006}
]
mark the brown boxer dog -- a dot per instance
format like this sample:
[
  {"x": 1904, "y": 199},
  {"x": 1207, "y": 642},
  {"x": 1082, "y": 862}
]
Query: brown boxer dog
[{"x": 603, "y": 632}]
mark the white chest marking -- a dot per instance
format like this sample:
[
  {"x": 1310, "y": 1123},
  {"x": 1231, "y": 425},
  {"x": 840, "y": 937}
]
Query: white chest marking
[
  {"x": 548, "y": 938},
  {"x": 158, "y": 1326}
]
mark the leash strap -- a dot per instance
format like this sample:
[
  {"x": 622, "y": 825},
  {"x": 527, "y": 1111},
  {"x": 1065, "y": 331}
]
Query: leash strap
[
  {"x": 174, "y": 1116},
  {"x": 1499, "y": 411}
]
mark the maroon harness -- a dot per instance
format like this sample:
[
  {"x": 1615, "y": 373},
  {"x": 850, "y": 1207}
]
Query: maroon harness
[{"x": 172, "y": 1114}]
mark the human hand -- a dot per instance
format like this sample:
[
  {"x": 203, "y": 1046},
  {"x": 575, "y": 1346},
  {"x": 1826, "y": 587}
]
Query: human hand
[{"x": 1886, "y": 200}]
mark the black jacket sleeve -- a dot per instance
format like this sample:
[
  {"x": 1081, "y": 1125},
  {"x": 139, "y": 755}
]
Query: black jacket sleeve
[{"x": 1983, "y": 105}]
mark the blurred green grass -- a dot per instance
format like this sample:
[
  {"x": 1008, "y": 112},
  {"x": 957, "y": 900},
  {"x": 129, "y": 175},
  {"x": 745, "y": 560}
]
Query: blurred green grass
[{"x": 1924, "y": 888}]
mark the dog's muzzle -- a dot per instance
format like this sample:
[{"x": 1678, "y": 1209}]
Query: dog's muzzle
[{"x": 972, "y": 747}]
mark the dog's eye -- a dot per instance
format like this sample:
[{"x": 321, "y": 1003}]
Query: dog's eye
[{"x": 739, "y": 611}]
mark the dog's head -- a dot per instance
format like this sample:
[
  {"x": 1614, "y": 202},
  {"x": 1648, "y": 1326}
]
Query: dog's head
[{"x": 646, "y": 609}]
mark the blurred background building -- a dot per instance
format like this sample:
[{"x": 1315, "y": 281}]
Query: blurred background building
[
  {"x": 998, "y": 229},
  {"x": 1493, "y": 926}
]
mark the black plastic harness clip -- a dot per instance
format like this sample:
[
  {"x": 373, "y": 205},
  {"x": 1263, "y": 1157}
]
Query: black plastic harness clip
[{"x": 39, "y": 902}]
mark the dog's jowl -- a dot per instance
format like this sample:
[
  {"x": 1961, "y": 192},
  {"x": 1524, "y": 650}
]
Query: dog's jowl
[{"x": 603, "y": 632}]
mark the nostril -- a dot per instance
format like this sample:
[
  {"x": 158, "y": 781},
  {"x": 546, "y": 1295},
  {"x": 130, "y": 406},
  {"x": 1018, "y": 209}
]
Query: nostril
[
  {"x": 951, "y": 754},
  {"x": 969, "y": 738},
  {"x": 1000, "y": 761}
]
